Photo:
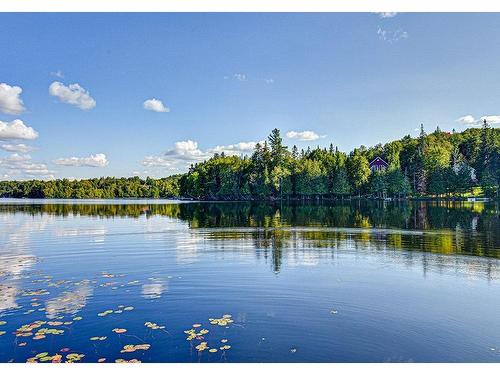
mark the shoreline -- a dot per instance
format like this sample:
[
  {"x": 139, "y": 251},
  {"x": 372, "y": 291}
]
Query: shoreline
[{"x": 256, "y": 200}]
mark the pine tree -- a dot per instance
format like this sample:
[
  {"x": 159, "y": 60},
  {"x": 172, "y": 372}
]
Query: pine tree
[
  {"x": 484, "y": 165},
  {"x": 420, "y": 172},
  {"x": 277, "y": 149}
]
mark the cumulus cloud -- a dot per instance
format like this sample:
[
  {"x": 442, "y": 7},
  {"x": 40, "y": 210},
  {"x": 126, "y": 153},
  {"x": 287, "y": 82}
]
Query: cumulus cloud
[
  {"x": 18, "y": 165},
  {"x": 155, "y": 105},
  {"x": 10, "y": 101},
  {"x": 155, "y": 161},
  {"x": 306, "y": 135},
  {"x": 73, "y": 94},
  {"x": 20, "y": 147},
  {"x": 188, "y": 152},
  {"x": 387, "y": 14},
  {"x": 97, "y": 160},
  {"x": 391, "y": 36},
  {"x": 234, "y": 149},
  {"x": 16, "y": 130},
  {"x": 469, "y": 120},
  {"x": 491, "y": 119}
]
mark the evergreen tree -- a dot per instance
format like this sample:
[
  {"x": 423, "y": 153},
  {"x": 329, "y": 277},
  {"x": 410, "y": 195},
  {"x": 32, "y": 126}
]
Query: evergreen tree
[{"x": 420, "y": 171}]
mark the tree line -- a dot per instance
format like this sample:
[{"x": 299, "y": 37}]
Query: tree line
[
  {"x": 105, "y": 187},
  {"x": 438, "y": 164}
]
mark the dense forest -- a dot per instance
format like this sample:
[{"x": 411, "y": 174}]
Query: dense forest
[
  {"x": 439, "y": 164},
  {"x": 105, "y": 187}
]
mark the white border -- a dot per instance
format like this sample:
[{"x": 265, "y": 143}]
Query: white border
[
  {"x": 251, "y": 369},
  {"x": 249, "y": 5}
]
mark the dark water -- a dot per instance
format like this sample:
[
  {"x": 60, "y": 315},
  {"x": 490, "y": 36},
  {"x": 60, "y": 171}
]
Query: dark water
[{"x": 360, "y": 282}]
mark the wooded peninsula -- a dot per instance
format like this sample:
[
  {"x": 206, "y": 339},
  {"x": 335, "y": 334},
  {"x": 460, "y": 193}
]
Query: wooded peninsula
[{"x": 440, "y": 164}]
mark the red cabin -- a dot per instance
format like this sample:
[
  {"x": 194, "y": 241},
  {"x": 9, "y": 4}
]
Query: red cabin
[{"x": 378, "y": 164}]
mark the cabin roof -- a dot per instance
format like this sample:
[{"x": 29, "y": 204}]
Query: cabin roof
[{"x": 379, "y": 161}]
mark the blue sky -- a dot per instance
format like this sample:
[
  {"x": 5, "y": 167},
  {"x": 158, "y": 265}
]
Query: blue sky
[{"x": 74, "y": 88}]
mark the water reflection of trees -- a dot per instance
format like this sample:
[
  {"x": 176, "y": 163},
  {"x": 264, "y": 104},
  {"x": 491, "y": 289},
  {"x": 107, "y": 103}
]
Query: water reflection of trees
[
  {"x": 276, "y": 243},
  {"x": 442, "y": 227}
]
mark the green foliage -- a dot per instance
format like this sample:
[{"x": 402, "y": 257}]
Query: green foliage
[
  {"x": 358, "y": 170},
  {"x": 437, "y": 164},
  {"x": 106, "y": 187},
  {"x": 397, "y": 183},
  {"x": 311, "y": 178},
  {"x": 378, "y": 184},
  {"x": 340, "y": 183}
]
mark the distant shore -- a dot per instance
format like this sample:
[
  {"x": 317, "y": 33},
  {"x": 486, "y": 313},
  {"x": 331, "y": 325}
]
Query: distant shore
[{"x": 235, "y": 200}]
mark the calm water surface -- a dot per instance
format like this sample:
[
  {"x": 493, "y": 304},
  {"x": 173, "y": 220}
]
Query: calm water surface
[{"x": 352, "y": 282}]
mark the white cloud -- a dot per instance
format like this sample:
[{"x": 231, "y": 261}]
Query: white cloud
[
  {"x": 187, "y": 150},
  {"x": 391, "y": 35},
  {"x": 15, "y": 158},
  {"x": 244, "y": 78},
  {"x": 155, "y": 105},
  {"x": 466, "y": 120},
  {"x": 156, "y": 161},
  {"x": 16, "y": 130},
  {"x": 387, "y": 14},
  {"x": 97, "y": 160},
  {"x": 491, "y": 119},
  {"x": 306, "y": 135},
  {"x": 471, "y": 121},
  {"x": 234, "y": 149},
  {"x": 20, "y": 147},
  {"x": 72, "y": 94},
  {"x": 10, "y": 101},
  {"x": 22, "y": 166}
]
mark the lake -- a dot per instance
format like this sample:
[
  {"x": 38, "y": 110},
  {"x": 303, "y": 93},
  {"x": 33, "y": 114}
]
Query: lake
[{"x": 163, "y": 281}]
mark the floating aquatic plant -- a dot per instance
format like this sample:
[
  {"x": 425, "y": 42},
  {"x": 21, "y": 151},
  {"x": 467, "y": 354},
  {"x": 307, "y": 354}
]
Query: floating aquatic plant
[
  {"x": 133, "y": 348},
  {"x": 224, "y": 321},
  {"x": 74, "y": 357},
  {"x": 98, "y": 338},
  {"x": 153, "y": 325},
  {"x": 202, "y": 346}
]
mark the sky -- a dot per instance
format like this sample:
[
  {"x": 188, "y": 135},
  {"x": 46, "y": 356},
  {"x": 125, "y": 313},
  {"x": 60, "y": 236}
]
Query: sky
[{"x": 89, "y": 95}]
